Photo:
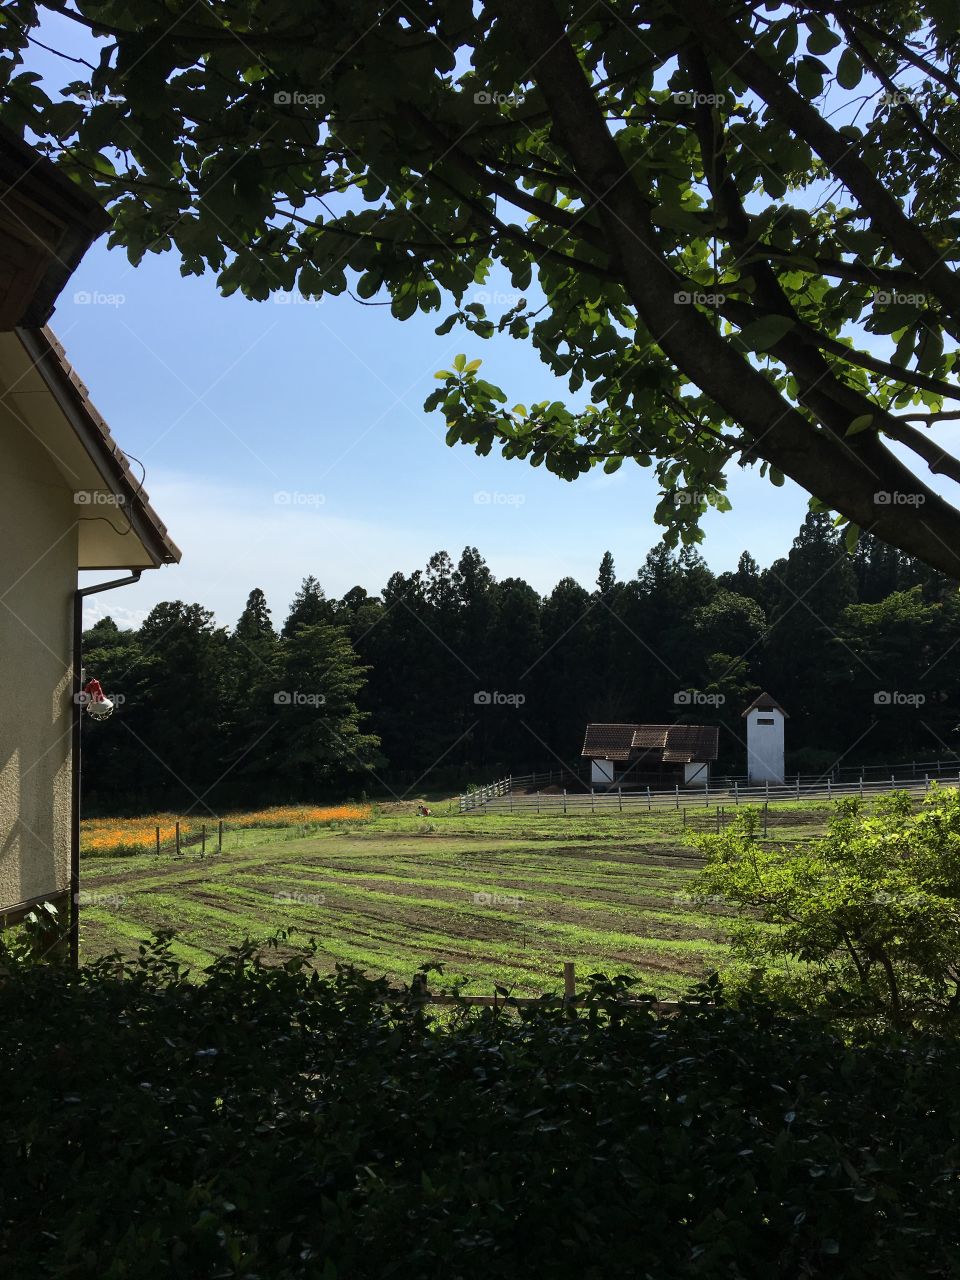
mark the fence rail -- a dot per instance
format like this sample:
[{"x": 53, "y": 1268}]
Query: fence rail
[{"x": 502, "y": 797}]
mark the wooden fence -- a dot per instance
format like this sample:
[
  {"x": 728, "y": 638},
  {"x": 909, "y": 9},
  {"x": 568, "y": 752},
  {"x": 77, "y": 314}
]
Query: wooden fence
[{"x": 501, "y": 797}]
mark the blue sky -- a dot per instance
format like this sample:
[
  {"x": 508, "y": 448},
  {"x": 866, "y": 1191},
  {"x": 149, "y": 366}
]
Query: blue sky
[{"x": 281, "y": 439}]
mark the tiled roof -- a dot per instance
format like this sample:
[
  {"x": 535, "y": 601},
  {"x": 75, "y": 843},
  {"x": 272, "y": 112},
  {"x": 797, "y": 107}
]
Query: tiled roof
[
  {"x": 670, "y": 743},
  {"x": 72, "y": 396}
]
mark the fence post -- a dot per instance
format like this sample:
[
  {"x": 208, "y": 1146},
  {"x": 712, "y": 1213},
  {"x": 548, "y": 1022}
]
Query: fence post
[
  {"x": 538, "y": 802},
  {"x": 569, "y": 982},
  {"x": 829, "y": 795},
  {"x": 649, "y": 800},
  {"x": 718, "y": 819},
  {"x": 678, "y": 795},
  {"x": 798, "y": 786},
  {"x": 706, "y": 795},
  {"x": 203, "y": 840},
  {"x": 736, "y": 793},
  {"x": 593, "y": 806},
  {"x": 178, "y": 838},
  {"x": 158, "y": 841},
  {"x": 683, "y": 811},
  {"x": 220, "y": 836},
  {"x": 767, "y": 792},
  {"x": 564, "y": 799},
  {"x": 861, "y": 784},
  {"x": 766, "y": 817},
  {"x": 620, "y": 797}
]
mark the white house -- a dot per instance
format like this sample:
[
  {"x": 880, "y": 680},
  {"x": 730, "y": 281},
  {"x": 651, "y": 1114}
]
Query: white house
[
  {"x": 765, "y": 720},
  {"x": 69, "y": 501}
]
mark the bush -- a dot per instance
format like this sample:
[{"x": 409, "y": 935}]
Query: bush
[
  {"x": 271, "y": 1123},
  {"x": 864, "y": 922}
]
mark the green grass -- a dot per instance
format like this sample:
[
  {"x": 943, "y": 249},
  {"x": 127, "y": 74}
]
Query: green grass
[{"x": 607, "y": 891}]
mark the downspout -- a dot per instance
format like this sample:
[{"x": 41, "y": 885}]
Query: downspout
[{"x": 79, "y": 596}]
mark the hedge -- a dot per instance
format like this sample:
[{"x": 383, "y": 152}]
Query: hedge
[{"x": 272, "y": 1124}]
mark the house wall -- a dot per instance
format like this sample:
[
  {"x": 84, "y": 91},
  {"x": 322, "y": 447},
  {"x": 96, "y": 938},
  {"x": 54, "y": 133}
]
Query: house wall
[
  {"x": 38, "y": 574},
  {"x": 765, "y": 746},
  {"x": 601, "y": 772}
]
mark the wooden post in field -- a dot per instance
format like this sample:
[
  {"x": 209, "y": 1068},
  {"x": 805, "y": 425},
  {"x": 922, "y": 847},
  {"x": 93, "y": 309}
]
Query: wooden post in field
[
  {"x": 620, "y": 798},
  {"x": 677, "y": 789},
  {"x": 684, "y": 813},
  {"x": 593, "y": 807},
  {"x": 220, "y": 836},
  {"x": 569, "y": 982},
  {"x": 158, "y": 840},
  {"x": 718, "y": 819},
  {"x": 538, "y": 802},
  {"x": 829, "y": 793},
  {"x": 203, "y": 841},
  {"x": 736, "y": 793},
  {"x": 861, "y": 784},
  {"x": 178, "y": 837},
  {"x": 564, "y": 799},
  {"x": 766, "y": 816},
  {"x": 649, "y": 800}
]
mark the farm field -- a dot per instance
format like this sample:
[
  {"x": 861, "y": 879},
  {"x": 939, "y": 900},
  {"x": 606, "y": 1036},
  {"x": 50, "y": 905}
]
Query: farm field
[{"x": 496, "y": 899}]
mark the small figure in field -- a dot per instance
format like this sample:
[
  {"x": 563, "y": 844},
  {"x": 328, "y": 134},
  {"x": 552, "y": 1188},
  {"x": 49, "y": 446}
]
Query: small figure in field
[{"x": 423, "y": 811}]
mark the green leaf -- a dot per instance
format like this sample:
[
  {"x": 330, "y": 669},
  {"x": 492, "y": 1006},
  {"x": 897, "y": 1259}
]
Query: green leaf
[
  {"x": 762, "y": 334},
  {"x": 849, "y": 70},
  {"x": 810, "y": 77},
  {"x": 863, "y": 423},
  {"x": 459, "y": 362}
]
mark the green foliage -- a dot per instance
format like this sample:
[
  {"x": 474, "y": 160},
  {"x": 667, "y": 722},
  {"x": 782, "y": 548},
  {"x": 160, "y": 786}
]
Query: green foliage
[
  {"x": 270, "y": 1122},
  {"x": 696, "y": 243},
  {"x": 864, "y": 922}
]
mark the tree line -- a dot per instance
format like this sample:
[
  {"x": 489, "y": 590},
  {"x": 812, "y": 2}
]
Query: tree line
[{"x": 449, "y": 677}]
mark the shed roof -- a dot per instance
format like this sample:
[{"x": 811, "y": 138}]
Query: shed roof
[
  {"x": 765, "y": 703},
  {"x": 668, "y": 743}
]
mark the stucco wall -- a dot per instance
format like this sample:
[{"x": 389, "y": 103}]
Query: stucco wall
[
  {"x": 38, "y": 573},
  {"x": 765, "y": 746}
]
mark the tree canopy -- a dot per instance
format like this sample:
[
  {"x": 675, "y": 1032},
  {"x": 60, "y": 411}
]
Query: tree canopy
[{"x": 731, "y": 229}]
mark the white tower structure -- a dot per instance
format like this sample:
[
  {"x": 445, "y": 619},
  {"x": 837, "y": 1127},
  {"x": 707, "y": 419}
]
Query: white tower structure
[{"x": 765, "y": 719}]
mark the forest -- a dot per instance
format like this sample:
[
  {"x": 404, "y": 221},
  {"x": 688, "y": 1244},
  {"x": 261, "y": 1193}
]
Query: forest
[{"x": 450, "y": 677}]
